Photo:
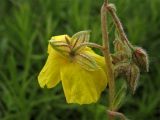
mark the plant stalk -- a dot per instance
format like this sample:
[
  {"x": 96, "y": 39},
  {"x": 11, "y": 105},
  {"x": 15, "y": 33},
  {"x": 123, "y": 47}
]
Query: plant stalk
[
  {"x": 119, "y": 26},
  {"x": 106, "y": 53}
]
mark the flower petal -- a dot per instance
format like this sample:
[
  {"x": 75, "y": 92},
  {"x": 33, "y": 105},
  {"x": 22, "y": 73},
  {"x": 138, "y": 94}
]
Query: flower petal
[
  {"x": 86, "y": 61},
  {"x": 82, "y": 86},
  {"x": 99, "y": 59},
  {"x": 60, "y": 38},
  {"x": 89, "y": 60},
  {"x": 50, "y": 74}
]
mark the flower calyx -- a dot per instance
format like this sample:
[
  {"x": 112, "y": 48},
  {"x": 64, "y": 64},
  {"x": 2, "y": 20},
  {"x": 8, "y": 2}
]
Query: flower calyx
[{"x": 75, "y": 49}]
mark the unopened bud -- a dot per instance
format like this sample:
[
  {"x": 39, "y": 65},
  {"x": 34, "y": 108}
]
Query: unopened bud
[
  {"x": 120, "y": 69},
  {"x": 119, "y": 57},
  {"x": 118, "y": 45},
  {"x": 133, "y": 74},
  {"x": 140, "y": 57}
]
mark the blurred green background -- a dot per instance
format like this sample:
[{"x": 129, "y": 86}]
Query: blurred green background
[{"x": 25, "y": 28}]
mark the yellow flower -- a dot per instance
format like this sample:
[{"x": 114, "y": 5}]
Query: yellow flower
[{"x": 80, "y": 70}]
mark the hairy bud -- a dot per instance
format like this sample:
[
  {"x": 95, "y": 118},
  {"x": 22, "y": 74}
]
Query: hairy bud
[
  {"x": 121, "y": 48},
  {"x": 132, "y": 75},
  {"x": 140, "y": 57},
  {"x": 119, "y": 57},
  {"x": 118, "y": 45},
  {"x": 120, "y": 69}
]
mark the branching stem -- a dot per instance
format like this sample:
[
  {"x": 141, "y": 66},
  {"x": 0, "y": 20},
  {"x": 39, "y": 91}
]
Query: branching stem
[{"x": 106, "y": 52}]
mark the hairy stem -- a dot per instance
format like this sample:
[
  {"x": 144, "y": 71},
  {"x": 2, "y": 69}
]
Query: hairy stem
[
  {"x": 105, "y": 1},
  {"x": 106, "y": 53},
  {"x": 119, "y": 26}
]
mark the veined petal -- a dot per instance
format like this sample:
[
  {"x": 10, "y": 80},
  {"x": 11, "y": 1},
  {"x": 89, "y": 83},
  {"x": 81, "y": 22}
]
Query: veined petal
[
  {"x": 82, "y": 86},
  {"x": 99, "y": 59},
  {"x": 86, "y": 61},
  {"x": 50, "y": 74}
]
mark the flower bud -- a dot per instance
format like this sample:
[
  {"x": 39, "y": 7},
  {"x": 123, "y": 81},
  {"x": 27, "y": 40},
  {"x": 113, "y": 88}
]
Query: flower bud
[
  {"x": 118, "y": 45},
  {"x": 120, "y": 69},
  {"x": 132, "y": 75},
  {"x": 140, "y": 57},
  {"x": 119, "y": 57}
]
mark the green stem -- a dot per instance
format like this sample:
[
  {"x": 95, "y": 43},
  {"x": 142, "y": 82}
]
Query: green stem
[{"x": 106, "y": 53}]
